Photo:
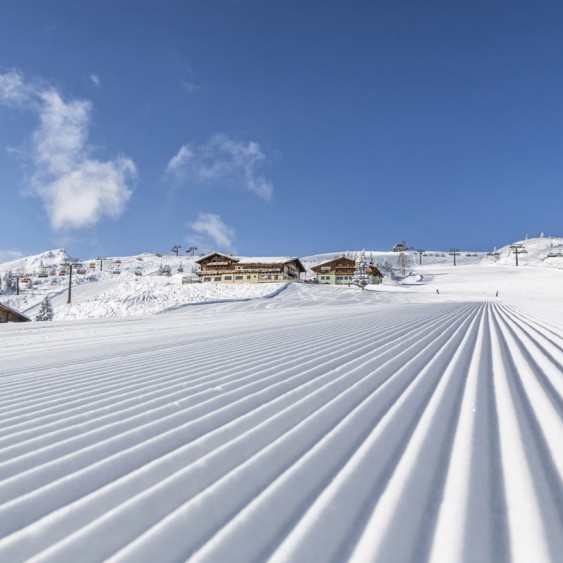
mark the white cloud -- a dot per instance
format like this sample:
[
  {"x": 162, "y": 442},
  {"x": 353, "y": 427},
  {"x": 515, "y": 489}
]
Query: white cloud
[
  {"x": 222, "y": 161},
  {"x": 9, "y": 255},
  {"x": 13, "y": 89},
  {"x": 210, "y": 227},
  {"x": 76, "y": 190},
  {"x": 95, "y": 79},
  {"x": 179, "y": 159},
  {"x": 80, "y": 197}
]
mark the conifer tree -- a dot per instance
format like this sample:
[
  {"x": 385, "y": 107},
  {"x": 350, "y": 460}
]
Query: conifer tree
[
  {"x": 46, "y": 312},
  {"x": 361, "y": 278}
]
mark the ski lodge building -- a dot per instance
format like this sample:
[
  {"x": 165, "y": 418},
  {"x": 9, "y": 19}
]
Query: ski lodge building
[
  {"x": 340, "y": 271},
  {"x": 222, "y": 268}
]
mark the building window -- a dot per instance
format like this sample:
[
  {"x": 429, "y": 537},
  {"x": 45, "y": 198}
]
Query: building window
[
  {"x": 218, "y": 278},
  {"x": 206, "y": 279},
  {"x": 248, "y": 277},
  {"x": 238, "y": 277},
  {"x": 228, "y": 278}
]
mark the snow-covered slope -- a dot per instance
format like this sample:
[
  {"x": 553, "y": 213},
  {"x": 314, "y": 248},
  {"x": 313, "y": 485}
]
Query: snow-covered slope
[
  {"x": 130, "y": 285},
  {"x": 323, "y": 424},
  {"x": 30, "y": 264}
]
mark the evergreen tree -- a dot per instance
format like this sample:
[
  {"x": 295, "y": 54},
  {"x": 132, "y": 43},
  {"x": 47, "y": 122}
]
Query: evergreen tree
[
  {"x": 46, "y": 312},
  {"x": 361, "y": 277},
  {"x": 402, "y": 261},
  {"x": 164, "y": 270},
  {"x": 9, "y": 281}
]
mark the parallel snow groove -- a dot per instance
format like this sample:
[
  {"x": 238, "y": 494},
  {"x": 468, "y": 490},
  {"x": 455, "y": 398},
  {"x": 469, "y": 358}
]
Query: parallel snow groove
[
  {"x": 429, "y": 432},
  {"x": 181, "y": 378},
  {"x": 187, "y": 481},
  {"x": 137, "y": 435},
  {"x": 180, "y": 375}
]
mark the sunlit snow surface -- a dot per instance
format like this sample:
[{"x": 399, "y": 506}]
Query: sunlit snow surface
[{"x": 320, "y": 424}]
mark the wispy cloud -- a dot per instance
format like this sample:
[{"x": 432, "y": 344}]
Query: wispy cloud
[
  {"x": 190, "y": 87},
  {"x": 76, "y": 190},
  {"x": 211, "y": 233},
  {"x": 95, "y": 79},
  {"x": 179, "y": 159},
  {"x": 9, "y": 255},
  {"x": 222, "y": 161},
  {"x": 13, "y": 90}
]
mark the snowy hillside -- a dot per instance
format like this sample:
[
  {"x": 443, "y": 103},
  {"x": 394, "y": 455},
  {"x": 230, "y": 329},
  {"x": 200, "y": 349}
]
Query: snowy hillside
[
  {"x": 130, "y": 285},
  {"x": 116, "y": 286}
]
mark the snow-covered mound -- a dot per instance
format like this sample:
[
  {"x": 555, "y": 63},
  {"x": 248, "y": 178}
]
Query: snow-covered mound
[
  {"x": 546, "y": 252},
  {"x": 151, "y": 295},
  {"x": 33, "y": 264}
]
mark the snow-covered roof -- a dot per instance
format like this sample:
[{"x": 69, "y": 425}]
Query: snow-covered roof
[
  {"x": 14, "y": 311},
  {"x": 332, "y": 260},
  {"x": 265, "y": 259},
  {"x": 253, "y": 259}
]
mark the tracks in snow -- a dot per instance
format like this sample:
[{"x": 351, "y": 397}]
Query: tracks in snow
[{"x": 407, "y": 433}]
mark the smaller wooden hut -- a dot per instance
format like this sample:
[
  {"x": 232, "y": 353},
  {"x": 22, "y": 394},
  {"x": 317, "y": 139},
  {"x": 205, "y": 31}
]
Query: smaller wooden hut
[{"x": 9, "y": 315}]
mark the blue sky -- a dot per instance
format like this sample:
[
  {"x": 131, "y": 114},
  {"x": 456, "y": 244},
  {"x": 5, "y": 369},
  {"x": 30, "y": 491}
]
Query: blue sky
[{"x": 274, "y": 128}]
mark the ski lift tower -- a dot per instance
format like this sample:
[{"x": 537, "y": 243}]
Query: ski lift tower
[
  {"x": 191, "y": 250},
  {"x": 101, "y": 259},
  {"x": 518, "y": 249},
  {"x": 420, "y": 253},
  {"x": 176, "y": 248},
  {"x": 454, "y": 252},
  {"x": 70, "y": 265}
]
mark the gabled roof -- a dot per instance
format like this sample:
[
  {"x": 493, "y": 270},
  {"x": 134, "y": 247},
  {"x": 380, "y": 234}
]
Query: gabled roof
[
  {"x": 14, "y": 312},
  {"x": 256, "y": 259},
  {"x": 372, "y": 269},
  {"x": 207, "y": 256},
  {"x": 329, "y": 262}
]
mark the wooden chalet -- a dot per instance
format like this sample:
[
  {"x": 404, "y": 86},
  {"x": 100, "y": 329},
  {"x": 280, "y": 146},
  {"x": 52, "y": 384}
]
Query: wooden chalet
[
  {"x": 222, "y": 268},
  {"x": 9, "y": 315},
  {"x": 340, "y": 271}
]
